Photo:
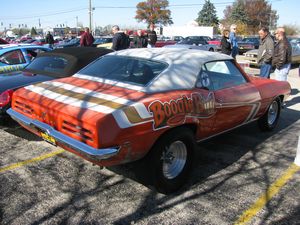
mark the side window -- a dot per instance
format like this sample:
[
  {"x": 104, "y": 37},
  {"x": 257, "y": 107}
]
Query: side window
[
  {"x": 224, "y": 74},
  {"x": 32, "y": 53},
  {"x": 13, "y": 57}
]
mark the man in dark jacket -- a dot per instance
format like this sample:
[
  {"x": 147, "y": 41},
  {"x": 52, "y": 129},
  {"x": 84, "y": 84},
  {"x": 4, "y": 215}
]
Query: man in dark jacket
[
  {"x": 86, "y": 38},
  {"x": 140, "y": 41},
  {"x": 265, "y": 52},
  {"x": 282, "y": 55},
  {"x": 152, "y": 37},
  {"x": 120, "y": 39},
  {"x": 49, "y": 39}
]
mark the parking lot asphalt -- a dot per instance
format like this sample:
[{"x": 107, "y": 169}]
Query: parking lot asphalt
[{"x": 241, "y": 177}]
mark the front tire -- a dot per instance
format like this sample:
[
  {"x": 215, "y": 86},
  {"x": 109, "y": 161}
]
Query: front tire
[
  {"x": 270, "y": 119},
  {"x": 170, "y": 160}
]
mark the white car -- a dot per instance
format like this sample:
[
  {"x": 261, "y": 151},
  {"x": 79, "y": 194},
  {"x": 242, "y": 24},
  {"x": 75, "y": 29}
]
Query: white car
[
  {"x": 251, "y": 55},
  {"x": 194, "y": 42}
]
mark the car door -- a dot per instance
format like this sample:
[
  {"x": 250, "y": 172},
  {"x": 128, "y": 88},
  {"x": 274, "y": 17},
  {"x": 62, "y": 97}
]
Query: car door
[{"x": 236, "y": 99}]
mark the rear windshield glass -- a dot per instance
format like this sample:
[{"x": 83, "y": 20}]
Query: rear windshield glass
[
  {"x": 50, "y": 64},
  {"x": 125, "y": 69}
]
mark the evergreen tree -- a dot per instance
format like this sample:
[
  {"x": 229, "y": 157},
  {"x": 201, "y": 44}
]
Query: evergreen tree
[
  {"x": 33, "y": 32},
  {"x": 208, "y": 16},
  {"x": 238, "y": 13}
]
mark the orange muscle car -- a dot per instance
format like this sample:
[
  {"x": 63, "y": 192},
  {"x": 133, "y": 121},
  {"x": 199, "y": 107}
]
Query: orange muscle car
[{"x": 153, "y": 104}]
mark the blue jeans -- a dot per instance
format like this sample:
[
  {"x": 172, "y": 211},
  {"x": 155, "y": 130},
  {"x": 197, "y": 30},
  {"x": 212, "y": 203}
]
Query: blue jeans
[
  {"x": 265, "y": 70},
  {"x": 282, "y": 73},
  {"x": 234, "y": 52}
]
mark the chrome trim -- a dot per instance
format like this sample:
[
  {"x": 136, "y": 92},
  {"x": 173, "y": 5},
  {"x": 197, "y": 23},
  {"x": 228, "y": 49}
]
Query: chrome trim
[{"x": 80, "y": 147}]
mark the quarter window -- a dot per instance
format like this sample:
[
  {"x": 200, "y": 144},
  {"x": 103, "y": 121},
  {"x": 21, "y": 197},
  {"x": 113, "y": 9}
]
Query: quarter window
[{"x": 223, "y": 74}]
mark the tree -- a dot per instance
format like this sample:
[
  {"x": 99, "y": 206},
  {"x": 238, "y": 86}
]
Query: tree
[
  {"x": 291, "y": 29},
  {"x": 252, "y": 13},
  {"x": 33, "y": 32},
  {"x": 208, "y": 16},
  {"x": 154, "y": 12},
  {"x": 238, "y": 13},
  {"x": 260, "y": 14}
]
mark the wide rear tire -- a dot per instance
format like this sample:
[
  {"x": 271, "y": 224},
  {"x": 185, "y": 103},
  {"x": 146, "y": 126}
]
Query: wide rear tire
[
  {"x": 270, "y": 119},
  {"x": 170, "y": 160}
]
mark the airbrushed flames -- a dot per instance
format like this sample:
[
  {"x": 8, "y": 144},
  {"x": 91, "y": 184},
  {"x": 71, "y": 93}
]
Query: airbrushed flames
[{"x": 175, "y": 111}]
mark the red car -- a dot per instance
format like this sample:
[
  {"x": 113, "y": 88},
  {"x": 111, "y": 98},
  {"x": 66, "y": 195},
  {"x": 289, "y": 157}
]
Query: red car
[
  {"x": 167, "y": 41},
  {"x": 2, "y": 41},
  {"x": 153, "y": 104},
  {"x": 39, "y": 42}
]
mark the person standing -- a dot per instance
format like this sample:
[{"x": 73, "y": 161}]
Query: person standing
[
  {"x": 152, "y": 37},
  {"x": 120, "y": 39},
  {"x": 225, "y": 43},
  {"x": 140, "y": 41},
  {"x": 49, "y": 39},
  {"x": 282, "y": 55},
  {"x": 233, "y": 41},
  {"x": 86, "y": 38},
  {"x": 265, "y": 52}
]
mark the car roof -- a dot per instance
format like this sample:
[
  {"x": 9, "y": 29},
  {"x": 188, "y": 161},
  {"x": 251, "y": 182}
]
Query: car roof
[
  {"x": 183, "y": 66},
  {"x": 77, "y": 58},
  {"x": 8, "y": 47}
]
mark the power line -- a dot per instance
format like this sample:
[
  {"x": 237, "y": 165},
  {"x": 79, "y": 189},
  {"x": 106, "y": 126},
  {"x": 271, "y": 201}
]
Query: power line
[{"x": 187, "y": 5}]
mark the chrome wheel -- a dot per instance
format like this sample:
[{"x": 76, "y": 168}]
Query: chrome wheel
[
  {"x": 174, "y": 159},
  {"x": 273, "y": 112}
]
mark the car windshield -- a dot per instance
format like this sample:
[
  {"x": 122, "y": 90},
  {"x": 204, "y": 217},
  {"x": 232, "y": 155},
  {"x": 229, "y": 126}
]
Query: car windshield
[
  {"x": 48, "y": 64},
  {"x": 131, "y": 70}
]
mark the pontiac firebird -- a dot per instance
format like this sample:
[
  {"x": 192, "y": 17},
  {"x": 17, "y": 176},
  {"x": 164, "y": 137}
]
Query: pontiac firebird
[{"x": 149, "y": 104}]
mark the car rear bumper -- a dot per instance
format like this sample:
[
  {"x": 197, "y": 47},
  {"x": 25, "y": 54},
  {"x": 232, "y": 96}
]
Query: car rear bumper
[{"x": 64, "y": 140}]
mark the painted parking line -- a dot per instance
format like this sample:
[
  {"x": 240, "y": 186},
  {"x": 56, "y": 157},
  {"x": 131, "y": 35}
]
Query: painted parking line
[
  {"x": 268, "y": 195},
  {"x": 36, "y": 159}
]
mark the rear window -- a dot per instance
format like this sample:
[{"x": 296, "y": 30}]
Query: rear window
[
  {"x": 136, "y": 71},
  {"x": 51, "y": 64}
]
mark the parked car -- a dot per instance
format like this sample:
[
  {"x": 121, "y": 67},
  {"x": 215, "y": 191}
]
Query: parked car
[
  {"x": 153, "y": 104},
  {"x": 39, "y": 42},
  {"x": 47, "y": 66},
  {"x": 251, "y": 55},
  {"x": 216, "y": 41},
  {"x": 247, "y": 44},
  {"x": 103, "y": 40},
  {"x": 75, "y": 42},
  {"x": 195, "y": 42},
  {"x": 163, "y": 41},
  {"x": 294, "y": 40},
  {"x": 16, "y": 57},
  {"x": 2, "y": 41}
]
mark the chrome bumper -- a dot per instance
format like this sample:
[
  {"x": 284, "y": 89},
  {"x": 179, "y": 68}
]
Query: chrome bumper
[{"x": 80, "y": 147}]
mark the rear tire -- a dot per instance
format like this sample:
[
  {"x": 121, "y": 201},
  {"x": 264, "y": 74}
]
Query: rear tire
[
  {"x": 270, "y": 119},
  {"x": 170, "y": 160}
]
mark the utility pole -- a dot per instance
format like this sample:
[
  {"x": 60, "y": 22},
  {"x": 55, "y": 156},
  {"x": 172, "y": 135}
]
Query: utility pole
[
  {"x": 90, "y": 15},
  {"x": 76, "y": 25}
]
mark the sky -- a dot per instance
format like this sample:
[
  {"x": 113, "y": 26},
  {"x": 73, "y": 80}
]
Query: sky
[{"x": 52, "y": 13}]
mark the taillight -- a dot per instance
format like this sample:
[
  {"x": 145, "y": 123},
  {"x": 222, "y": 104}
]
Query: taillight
[{"x": 5, "y": 97}]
